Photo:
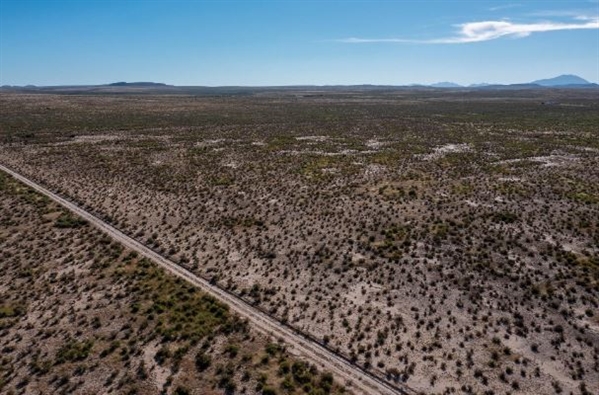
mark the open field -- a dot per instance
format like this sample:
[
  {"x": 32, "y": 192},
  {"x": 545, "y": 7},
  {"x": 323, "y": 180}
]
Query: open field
[
  {"x": 359, "y": 380},
  {"x": 81, "y": 314},
  {"x": 449, "y": 241}
]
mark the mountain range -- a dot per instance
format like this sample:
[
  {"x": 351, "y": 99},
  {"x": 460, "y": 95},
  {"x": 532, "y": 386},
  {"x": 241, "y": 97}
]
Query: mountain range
[
  {"x": 564, "y": 80},
  {"x": 561, "y": 81}
]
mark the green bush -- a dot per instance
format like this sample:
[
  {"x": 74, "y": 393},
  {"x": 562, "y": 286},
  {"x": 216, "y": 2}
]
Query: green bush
[
  {"x": 73, "y": 351},
  {"x": 67, "y": 220},
  {"x": 7, "y": 311}
]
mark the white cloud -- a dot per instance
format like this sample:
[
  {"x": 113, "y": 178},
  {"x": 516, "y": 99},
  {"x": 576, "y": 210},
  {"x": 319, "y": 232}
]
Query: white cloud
[{"x": 490, "y": 30}]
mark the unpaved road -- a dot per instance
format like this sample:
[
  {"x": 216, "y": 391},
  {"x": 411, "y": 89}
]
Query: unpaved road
[{"x": 355, "y": 379}]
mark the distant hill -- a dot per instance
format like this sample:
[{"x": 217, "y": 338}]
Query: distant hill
[
  {"x": 445, "y": 84},
  {"x": 566, "y": 81},
  {"x": 562, "y": 80},
  {"x": 138, "y": 84},
  {"x": 481, "y": 85}
]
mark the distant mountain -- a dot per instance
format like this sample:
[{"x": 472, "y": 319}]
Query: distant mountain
[
  {"x": 445, "y": 84},
  {"x": 481, "y": 85},
  {"x": 562, "y": 80},
  {"x": 138, "y": 84}
]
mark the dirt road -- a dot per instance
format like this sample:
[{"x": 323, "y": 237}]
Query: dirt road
[{"x": 356, "y": 379}]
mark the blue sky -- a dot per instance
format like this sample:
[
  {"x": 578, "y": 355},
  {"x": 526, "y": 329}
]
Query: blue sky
[{"x": 285, "y": 42}]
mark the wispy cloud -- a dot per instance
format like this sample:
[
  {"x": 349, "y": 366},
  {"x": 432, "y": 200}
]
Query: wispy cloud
[
  {"x": 561, "y": 13},
  {"x": 490, "y": 30}
]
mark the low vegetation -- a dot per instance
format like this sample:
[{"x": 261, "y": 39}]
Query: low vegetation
[
  {"x": 80, "y": 314},
  {"x": 444, "y": 240}
]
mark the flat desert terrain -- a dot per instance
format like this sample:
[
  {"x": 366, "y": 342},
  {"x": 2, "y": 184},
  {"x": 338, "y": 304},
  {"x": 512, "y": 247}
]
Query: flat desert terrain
[
  {"x": 443, "y": 240},
  {"x": 80, "y": 314}
]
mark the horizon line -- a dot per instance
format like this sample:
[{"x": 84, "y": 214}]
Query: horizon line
[{"x": 403, "y": 85}]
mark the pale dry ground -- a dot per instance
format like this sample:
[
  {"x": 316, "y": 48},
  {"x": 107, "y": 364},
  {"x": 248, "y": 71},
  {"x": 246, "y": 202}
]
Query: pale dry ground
[
  {"x": 455, "y": 252},
  {"x": 358, "y": 380},
  {"x": 79, "y": 314}
]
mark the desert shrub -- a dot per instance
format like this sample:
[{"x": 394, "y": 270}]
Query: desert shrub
[
  {"x": 232, "y": 350},
  {"x": 73, "y": 351},
  {"x": 269, "y": 391},
  {"x": 68, "y": 220},
  {"x": 181, "y": 391},
  {"x": 8, "y": 311},
  {"x": 162, "y": 355},
  {"x": 505, "y": 217},
  {"x": 202, "y": 361}
]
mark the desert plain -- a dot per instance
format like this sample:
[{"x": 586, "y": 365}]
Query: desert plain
[{"x": 443, "y": 240}]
